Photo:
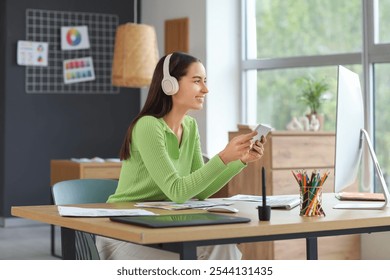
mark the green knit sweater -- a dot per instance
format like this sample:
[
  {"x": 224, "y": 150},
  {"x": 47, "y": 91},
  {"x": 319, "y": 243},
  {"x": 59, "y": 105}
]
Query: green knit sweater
[{"x": 161, "y": 169}]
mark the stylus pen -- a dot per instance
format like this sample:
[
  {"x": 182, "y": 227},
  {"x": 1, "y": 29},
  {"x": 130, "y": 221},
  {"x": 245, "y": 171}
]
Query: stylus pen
[{"x": 263, "y": 186}]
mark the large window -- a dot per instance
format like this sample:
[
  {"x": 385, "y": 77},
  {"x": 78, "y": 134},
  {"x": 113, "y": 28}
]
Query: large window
[{"x": 286, "y": 40}]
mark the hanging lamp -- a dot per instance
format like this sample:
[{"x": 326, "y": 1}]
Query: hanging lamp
[{"x": 135, "y": 54}]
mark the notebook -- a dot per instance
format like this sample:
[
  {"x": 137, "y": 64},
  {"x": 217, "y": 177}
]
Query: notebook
[
  {"x": 360, "y": 196},
  {"x": 180, "y": 220}
]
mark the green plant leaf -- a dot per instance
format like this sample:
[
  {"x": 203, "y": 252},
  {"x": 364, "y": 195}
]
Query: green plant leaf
[{"x": 312, "y": 92}]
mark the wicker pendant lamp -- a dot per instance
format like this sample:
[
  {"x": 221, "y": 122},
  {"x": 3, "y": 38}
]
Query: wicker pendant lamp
[{"x": 135, "y": 54}]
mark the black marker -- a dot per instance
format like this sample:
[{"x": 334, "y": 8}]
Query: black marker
[
  {"x": 264, "y": 210},
  {"x": 263, "y": 188}
]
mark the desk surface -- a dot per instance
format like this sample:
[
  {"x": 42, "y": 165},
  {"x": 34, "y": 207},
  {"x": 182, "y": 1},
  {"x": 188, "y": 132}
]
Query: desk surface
[{"x": 282, "y": 222}]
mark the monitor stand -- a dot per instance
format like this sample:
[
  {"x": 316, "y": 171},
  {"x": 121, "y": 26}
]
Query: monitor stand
[{"x": 378, "y": 171}]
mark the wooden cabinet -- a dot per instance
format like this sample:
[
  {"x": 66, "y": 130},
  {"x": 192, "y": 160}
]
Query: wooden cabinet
[
  {"x": 61, "y": 170},
  {"x": 286, "y": 151}
]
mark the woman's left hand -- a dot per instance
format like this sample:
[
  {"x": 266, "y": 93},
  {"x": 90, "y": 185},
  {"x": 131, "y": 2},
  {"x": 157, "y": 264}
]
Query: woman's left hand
[{"x": 256, "y": 152}]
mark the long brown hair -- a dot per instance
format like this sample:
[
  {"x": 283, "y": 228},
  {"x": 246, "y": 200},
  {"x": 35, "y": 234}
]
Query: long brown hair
[{"x": 158, "y": 104}]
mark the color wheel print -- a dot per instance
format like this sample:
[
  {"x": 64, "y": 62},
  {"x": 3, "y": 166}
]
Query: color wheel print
[{"x": 73, "y": 37}]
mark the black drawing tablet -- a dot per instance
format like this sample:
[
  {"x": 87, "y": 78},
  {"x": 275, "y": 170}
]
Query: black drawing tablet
[{"x": 180, "y": 220}]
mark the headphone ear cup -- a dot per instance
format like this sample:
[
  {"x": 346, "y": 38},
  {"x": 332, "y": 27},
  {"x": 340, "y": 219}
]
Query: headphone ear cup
[{"x": 169, "y": 85}]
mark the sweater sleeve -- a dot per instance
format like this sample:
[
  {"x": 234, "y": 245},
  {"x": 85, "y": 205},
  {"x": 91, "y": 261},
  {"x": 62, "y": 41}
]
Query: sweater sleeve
[
  {"x": 150, "y": 138},
  {"x": 222, "y": 179}
]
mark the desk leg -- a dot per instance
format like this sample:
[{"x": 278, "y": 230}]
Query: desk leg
[
  {"x": 187, "y": 251},
  {"x": 68, "y": 244},
  {"x": 52, "y": 237},
  {"x": 311, "y": 248},
  {"x": 52, "y": 240}
]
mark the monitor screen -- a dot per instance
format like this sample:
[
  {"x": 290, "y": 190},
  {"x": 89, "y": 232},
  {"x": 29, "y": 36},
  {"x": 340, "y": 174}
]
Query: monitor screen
[{"x": 349, "y": 123}]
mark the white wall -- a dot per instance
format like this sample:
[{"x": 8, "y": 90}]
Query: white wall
[
  {"x": 223, "y": 67},
  {"x": 214, "y": 39}
]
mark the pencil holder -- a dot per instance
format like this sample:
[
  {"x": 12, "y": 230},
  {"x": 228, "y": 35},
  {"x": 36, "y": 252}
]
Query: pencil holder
[
  {"x": 311, "y": 201},
  {"x": 310, "y": 191}
]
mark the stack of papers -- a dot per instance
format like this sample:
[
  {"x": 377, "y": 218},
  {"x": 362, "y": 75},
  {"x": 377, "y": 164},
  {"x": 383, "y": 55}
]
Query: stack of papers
[
  {"x": 168, "y": 205},
  {"x": 275, "y": 201},
  {"x": 101, "y": 212}
]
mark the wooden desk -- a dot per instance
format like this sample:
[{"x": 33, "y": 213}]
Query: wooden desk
[
  {"x": 283, "y": 225},
  {"x": 62, "y": 170}
]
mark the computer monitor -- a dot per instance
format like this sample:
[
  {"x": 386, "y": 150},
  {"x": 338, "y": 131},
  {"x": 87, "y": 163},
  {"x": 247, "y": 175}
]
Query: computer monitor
[{"x": 350, "y": 138}]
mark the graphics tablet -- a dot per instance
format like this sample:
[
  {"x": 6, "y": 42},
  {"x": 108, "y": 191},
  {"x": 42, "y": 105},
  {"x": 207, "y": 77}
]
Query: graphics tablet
[{"x": 180, "y": 220}]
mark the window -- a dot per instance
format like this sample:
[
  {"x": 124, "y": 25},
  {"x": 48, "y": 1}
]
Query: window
[
  {"x": 301, "y": 28},
  {"x": 383, "y": 11},
  {"x": 285, "y": 40}
]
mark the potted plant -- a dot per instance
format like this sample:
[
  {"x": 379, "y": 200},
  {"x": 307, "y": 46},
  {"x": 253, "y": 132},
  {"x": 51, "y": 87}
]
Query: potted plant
[{"x": 313, "y": 95}]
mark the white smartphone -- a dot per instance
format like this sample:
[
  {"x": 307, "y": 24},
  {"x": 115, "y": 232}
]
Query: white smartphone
[{"x": 262, "y": 130}]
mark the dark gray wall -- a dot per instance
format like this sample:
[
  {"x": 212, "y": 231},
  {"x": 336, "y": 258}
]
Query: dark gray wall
[{"x": 36, "y": 128}]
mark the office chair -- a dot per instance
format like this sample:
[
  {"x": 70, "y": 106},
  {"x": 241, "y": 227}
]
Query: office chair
[{"x": 81, "y": 191}]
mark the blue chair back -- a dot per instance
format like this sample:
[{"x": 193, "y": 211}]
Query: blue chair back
[{"x": 83, "y": 191}]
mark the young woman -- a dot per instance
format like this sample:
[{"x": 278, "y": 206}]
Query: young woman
[{"x": 162, "y": 158}]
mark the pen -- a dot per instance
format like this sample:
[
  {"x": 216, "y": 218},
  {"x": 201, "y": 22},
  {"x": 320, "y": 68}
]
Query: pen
[{"x": 263, "y": 186}]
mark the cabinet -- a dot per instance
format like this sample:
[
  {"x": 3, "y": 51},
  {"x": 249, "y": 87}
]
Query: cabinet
[
  {"x": 283, "y": 152},
  {"x": 61, "y": 170}
]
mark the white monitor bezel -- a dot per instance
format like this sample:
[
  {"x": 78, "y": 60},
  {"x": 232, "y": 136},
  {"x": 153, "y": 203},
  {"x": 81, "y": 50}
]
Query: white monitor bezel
[{"x": 349, "y": 83}]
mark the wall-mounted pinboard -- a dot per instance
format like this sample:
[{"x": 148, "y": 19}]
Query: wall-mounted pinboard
[{"x": 45, "y": 26}]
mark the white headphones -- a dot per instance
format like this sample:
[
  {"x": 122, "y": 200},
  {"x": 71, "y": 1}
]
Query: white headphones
[{"x": 169, "y": 84}]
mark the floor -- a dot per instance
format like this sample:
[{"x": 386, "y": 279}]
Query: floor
[{"x": 28, "y": 242}]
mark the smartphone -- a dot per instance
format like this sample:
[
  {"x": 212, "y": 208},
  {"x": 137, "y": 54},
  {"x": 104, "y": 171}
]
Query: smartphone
[{"x": 262, "y": 130}]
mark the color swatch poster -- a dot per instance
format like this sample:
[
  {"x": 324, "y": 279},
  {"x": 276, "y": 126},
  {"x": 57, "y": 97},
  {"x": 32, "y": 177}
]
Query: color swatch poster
[
  {"x": 32, "y": 53},
  {"x": 74, "y": 38},
  {"x": 78, "y": 70}
]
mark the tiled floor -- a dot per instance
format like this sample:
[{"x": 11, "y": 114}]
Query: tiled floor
[{"x": 30, "y": 242}]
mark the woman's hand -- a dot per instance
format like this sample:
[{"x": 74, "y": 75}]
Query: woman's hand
[
  {"x": 239, "y": 148},
  {"x": 256, "y": 152}
]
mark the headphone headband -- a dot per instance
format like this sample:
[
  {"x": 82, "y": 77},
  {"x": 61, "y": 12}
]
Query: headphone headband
[
  {"x": 169, "y": 84},
  {"x": 166, "y": 65}
]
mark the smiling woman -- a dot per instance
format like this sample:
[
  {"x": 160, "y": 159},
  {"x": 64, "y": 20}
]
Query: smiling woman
[{"x": 162, "y": 159}]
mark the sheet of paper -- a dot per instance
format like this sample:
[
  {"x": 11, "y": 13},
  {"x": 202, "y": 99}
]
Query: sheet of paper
[
  {"x": 78, "y": 70},
  {"x": 32, "y": 53},
  {"x": 243, "y": 197},
  {"x": 74, "y": 37},
  {"x": 101, "y": 212},
  {"x": 180, "y": 206}
]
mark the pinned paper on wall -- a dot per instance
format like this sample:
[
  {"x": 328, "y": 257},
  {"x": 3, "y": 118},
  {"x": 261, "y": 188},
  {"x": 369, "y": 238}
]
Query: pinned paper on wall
[
  {"x": 74, "y": 37},
  {"x": 78, "y": 70},
  {"x": 32, "y": 53}
]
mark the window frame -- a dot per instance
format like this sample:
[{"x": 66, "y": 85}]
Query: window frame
[{"x": 372, "y": 53}]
